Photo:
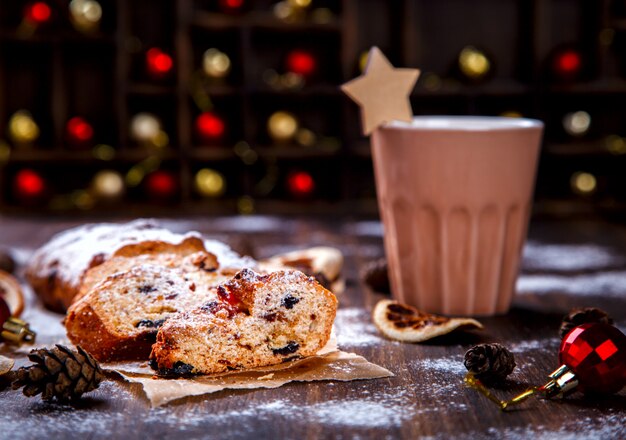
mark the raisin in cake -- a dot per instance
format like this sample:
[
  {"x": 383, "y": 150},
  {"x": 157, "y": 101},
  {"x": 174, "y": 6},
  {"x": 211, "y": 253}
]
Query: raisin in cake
[
  {"x": 57, "y": 269},
  {"x": 119, "y": 317},
  {"x": 256, "y": 320}
]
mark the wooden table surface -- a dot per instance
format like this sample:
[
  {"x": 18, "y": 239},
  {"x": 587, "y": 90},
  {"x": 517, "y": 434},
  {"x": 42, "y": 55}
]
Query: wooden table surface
[{"x": 566, "y": 264}]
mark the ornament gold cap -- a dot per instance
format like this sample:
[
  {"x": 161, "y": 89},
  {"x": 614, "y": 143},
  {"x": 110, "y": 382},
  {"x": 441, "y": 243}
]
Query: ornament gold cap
[
  {"x": 563, "y": 380},
  {"x": 15, "y": 331}
]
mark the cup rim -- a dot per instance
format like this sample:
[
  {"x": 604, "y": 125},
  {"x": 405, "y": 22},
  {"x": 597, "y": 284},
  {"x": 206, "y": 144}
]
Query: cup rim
[{"x": 464, "y": 123}]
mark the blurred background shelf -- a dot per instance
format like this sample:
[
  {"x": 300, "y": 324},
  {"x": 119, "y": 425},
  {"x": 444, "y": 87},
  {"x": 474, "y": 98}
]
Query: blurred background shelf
[{"x": 234, "y": 106}]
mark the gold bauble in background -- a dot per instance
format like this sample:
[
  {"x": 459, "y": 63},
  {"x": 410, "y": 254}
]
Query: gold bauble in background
[
  {"x": 583, "y": 183},
  {"x": 85, "y": 15},
  {"x": 577, "y": 123},
  {"x": 282, "y": 126},
  {"x": 22, "y": 128},
  {"x": 107, "y": 185},
  {"x": 210, "y": 183},
  {"x": 473, "y": 63},
  {"x": 216, "y": 64}
]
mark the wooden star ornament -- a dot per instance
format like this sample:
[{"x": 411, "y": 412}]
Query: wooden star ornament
[{"x": 382, "y": 92}]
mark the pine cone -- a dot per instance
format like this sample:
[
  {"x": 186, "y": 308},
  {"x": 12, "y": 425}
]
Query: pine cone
[
  {"x": 490, "y": 363},
  {"x": 582, "y": 316},
  {"x": 59, "y": 372},
  {"x": 376, "y": 277}
]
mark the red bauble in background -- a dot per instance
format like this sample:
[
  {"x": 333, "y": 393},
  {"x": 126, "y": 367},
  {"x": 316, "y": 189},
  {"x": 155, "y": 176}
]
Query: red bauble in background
[
  {"x": 209, "y": 126},
  {"x": 301, "y": 62},
  {"x": 158, "y": 63},
  {"x": 596, "y": 354},
  {"x": 231, "y": 6},
  {"x": 28, "y": 185},
  {"x": 567, "y": 63},
  {"x": 161, "y": 184},
  {"x": 37, "y": 13},
  {"x": 78, "y": 131},
  {"x": 300, "y": 184}
]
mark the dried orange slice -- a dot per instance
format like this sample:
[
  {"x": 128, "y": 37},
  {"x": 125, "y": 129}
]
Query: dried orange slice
[
  {"x": 12, "y": 294},
  {"x": 407, "y": 324},
  {"x": 5, "y": 365}
]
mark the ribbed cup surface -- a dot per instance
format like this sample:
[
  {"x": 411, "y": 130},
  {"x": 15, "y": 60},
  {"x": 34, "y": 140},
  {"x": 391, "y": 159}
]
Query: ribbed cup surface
[{"x": 455, "y": 207}]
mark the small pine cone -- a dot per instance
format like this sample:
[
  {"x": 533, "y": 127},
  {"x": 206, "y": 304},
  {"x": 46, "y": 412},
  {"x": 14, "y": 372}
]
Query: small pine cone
[
  {"x": 376, "y": 276},
  {"x": 59, "y": 372},
  {"x": 582, "y": 316},
  {"x": 490, "y": 363}
]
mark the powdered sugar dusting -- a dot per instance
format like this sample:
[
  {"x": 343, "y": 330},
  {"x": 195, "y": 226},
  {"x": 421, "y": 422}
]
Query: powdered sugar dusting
[
  {"x": 603, "y": 283},
  {"x": 562, "y": 257},
  {"x": 355, "y": 328},
  {"x": 69, "y": 254}
]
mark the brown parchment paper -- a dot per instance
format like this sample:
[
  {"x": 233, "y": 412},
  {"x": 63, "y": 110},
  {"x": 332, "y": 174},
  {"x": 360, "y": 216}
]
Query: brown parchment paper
[{"x": 329, "y": 364}]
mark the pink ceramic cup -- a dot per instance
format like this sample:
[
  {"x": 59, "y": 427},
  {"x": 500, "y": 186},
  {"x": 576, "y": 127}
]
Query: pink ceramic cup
[{"x": 455, "y": 195}]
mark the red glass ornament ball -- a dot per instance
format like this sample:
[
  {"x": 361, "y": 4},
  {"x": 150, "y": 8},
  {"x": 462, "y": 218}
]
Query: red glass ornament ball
[
  {"x": 210, "y": 126},
  {"x": 158, "y": 62},
  {"x": 28, "y": 184},
  {"x": 300, "y": 183},
  {"x": 567, "y": 63},
  {"x": 231, "y": 5},
  {"x": 301, "y": 62},
  {"x": 79, "y": 130},
  {"x": 161, "y": 184},
  {"x": 596, "y": 353},
  {"x": 5, "y": 312},
  {"x": 38, "y": 12}
]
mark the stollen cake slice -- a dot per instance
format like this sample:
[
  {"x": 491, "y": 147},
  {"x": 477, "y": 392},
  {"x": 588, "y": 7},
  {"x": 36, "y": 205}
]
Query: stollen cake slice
[
  {"x": 255, "y": 320},
  {"x": 118, "y": 319}
]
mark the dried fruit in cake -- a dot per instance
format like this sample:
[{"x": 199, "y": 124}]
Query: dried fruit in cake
[
  {"x": 119, "y": 318},
  {"x": 408, "y": 324},
  {"x": 257, "y": 320}
]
